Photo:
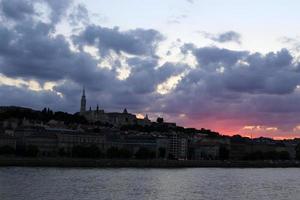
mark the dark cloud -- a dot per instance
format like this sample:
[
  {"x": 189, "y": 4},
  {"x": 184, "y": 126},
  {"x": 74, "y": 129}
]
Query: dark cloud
[
  {"x": 29, "y": 51},
  {"x": 58, "y": 9},
  {"x": 16, "y": 9},
  {"x": 145, "y": 76},
  {"x": 22, "y": 96},
  {"x": 229, "y": 36},
  {"x": 214, "y": 55},
  {"x": 79, "y": 15},
  {"x": 20, "y": 10},
  {"x": 241, "y": 71},
  {"x": 135, "y": 42}
]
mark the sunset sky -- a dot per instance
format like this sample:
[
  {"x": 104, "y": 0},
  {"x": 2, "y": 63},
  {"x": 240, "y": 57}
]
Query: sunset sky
[{"x": 231, "y": 66}]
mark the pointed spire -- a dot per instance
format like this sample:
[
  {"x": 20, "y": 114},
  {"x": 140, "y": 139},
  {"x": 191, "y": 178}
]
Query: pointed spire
[
  {"x": 83, "y": 91},
  {"x": 83, "y": 102},
  {"x": 90, "y": 108},
  {"x": 146, "y": 116},
  {"x": 125, "y": 111},
  {"x": 97, "y": 108}
]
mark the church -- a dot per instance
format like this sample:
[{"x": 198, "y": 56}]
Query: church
[{"x": 114, "y": 118}]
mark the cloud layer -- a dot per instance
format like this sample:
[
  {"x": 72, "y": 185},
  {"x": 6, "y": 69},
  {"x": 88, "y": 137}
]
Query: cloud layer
[{"x": 226, "y": 90}]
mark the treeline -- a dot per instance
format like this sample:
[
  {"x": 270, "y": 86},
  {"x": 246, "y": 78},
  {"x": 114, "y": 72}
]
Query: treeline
[
  {"x": 29, "y": 151},
  {"x": 298, "y": 152},
  {"x": 92, "y": 151},
  {"x": 112, "y": 153},
  {"x": 166, "y": 129},
  {"x": 270, "y": 155},
  {"x": 143, "y": 153},
  {"x": 44, "y": 116}
]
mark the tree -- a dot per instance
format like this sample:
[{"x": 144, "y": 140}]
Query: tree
[
  {"x": 223, "y": 153},
  {"x": 257, "y": 155},
  {"x": 93, "y": 152},
  {"x": 298, "y": 152},
  {"x": 86, "y": 152},
  {"x": 77, "y": 151},
  {"x": 112, "y": 152},
  {"x": 162, "y": 152},
  {"x": 7, "y": 150},
  {"x": 269, "y": 155},
  {"x": 191, "y": 153},
  {"x": 124, "y": 153},
  {"x": 32, "y": 151},
  {"x": 144, "y": 153},
  {"x": 62, "y": 152},
  {"x": 171, "y": 157},
  {"x": 284, "y": 155}
]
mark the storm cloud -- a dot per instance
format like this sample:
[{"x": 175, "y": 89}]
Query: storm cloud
[
  {"x": 134, "y": 42},
  {"x": 16, "y": 9}
]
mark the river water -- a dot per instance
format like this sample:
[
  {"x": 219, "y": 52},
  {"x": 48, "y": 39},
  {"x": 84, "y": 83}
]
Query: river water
[{"x": 136, "y": 184}]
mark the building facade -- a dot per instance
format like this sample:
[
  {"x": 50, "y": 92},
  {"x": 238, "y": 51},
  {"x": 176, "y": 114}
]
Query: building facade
[{"x": 114, "y": 118}]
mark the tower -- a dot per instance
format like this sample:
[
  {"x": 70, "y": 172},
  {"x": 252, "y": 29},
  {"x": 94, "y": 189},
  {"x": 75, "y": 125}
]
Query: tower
[{"x": 83, "y": 102}]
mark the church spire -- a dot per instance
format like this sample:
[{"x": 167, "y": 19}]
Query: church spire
[
  {"x": 83, "y": 91},
  {"x": 83, "y": 102}
]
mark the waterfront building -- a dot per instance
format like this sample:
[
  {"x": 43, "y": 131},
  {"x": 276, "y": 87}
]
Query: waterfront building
[
  {"x": 133, "y": 143},
  {"x": 68, "y": 140},
  {"x": 45, "y": 142},
  {"x": 7, "y": 140},
  {"x": 178, "y": 147},
  {"x": 49, "y": 141},
  {"x": 204, "y": 147},
  {"x": 162, "y": 147},
  {"x": 206, "y": 150}
]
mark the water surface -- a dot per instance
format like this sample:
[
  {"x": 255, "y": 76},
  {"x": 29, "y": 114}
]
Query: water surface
[{"x": 135, "y": 184}]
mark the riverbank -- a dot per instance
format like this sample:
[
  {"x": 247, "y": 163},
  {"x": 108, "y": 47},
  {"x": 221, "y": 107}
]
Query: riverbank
[{"x": 109, "y": 163}]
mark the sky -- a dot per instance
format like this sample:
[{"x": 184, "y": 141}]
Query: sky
[{"x": 230, "y": 66}]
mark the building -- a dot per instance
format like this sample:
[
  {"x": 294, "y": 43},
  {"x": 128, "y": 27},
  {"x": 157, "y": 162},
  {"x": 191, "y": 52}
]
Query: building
[
  {"x": 69, "y": 139},
  {"x": 46, "y": 143},
  {"x": 83, "y": 102},
  {"x": 178, "y": 147},
  {"x": 7, "y": 140},
  {"x": 206, "y": 151},
  {"x": 204, "y": 147},
  {"x": 114, "y": 118},
  {"x": 144, "y": 122},
  {"x": 162, "y": 147},
  {"x": 51, "y": 141},
  {"x": 134, "y": 143}
]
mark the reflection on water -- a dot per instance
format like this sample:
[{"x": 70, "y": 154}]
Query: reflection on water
[{"x": 135, "y": 184}]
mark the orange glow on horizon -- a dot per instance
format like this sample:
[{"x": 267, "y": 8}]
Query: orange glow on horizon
[{"x": 230, "y": 128}]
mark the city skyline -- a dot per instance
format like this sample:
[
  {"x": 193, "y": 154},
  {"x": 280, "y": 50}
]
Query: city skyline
[{"x": 202, "y": 64}]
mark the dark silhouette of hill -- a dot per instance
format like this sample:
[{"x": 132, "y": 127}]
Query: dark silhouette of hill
[{"x": 44, "y": 116}]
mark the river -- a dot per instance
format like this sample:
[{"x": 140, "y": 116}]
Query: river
[{"x": 17, "y": 183}]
